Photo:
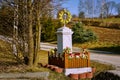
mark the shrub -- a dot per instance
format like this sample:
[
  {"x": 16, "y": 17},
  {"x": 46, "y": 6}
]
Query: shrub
[
  {"x": 95, "y": 23},
  {"x": 114, "y": 25},
  {"x": 49, "y": 27},
  {"x": 81, "y": 34},
  {"x": 106, "y": 76}
]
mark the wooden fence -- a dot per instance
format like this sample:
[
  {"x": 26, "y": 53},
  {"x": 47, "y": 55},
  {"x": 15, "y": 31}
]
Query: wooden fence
[{"x": 64, "y": 61}]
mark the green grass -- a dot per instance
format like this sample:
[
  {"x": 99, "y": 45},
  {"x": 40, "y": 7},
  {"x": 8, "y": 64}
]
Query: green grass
[
  {"x": 114, "y": 20},
  {"x": 10, "y": 65},
  {"x": 108, "y": 40},
  {"x": 113, "y": 49},
  {"x": 55, "y": 76},
  {"x": 101, "y": 67},
  {"x": 102, "y": 46}
]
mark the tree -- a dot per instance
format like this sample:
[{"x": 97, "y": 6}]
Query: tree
[
  {"x": 74, "y": 16},
  {"x": 108, "y": 8},
  {"x": 48, "y": 31},
  {"x": 81, "y": 15},
  {"x": 81, "y": 34},
  {"x": 34, "y": 45},
  {"x": 88, "y": 7},
  {"x": 29, "y": 14},
  {"x": 118, "y": 8},
  {"x": 111, "y": 5},
  {"x": 81, "y": 6}
]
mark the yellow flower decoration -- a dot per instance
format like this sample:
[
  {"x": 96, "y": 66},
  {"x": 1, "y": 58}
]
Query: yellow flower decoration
[{"x": 64, "y": 16}]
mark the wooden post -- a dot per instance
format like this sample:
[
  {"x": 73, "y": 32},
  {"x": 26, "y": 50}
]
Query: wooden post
[
  {"x": 66, "y": 60},
  {"x": 88, "y": 59}
]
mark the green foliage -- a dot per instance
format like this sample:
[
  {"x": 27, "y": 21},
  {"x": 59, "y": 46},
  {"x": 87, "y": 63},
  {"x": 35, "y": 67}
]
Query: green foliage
[
  {"x": 47, "y": 30},
  {"x": 106, "y": 76},
  {"x": 49, "y": 27},
  {"x": 81, "y": 34}
]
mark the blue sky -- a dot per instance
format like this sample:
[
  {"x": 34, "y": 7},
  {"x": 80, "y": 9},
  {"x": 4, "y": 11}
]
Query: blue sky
[{"x": 72, "y": 5}]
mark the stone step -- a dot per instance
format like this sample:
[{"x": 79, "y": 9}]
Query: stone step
[
  {"x": 24, "y": 75},
  {"x": 77, "y": 70}
]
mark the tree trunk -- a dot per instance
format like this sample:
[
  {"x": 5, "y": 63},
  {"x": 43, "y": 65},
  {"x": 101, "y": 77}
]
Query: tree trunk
[
  {"x": 37, "y": 49},
  {"x": 30, "y": 35},
  {"x": 38, "y": 35}
]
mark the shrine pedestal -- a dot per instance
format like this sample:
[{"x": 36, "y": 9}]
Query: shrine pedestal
[
  {"x": 69, "y": 71},
  {"x": 64, "y": 39}
]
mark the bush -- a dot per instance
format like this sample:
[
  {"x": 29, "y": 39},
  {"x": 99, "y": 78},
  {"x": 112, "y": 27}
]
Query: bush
[
  {"x": 82, "y": 35},
  {"x": 106, "y": 76}
]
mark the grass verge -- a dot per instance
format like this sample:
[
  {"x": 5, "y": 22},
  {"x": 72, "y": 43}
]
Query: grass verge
[
  {"x": 102, "y": 46},
  {"x": 8, "y": 64}
]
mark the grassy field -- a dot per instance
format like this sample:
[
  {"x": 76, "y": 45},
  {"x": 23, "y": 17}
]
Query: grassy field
[
  {"x": 107, "y": 35},
  {"x": 114, "y": 20},
  {"x": 108, "y": 40},
  {"x": 9, "y": 64}
]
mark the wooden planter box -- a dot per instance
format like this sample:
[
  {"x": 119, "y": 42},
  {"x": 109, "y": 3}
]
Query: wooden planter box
[{"x": 65, "y": 62}]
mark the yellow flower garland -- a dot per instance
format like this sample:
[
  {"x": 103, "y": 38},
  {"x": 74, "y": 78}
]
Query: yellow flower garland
[{"x": 61, "y": 14}]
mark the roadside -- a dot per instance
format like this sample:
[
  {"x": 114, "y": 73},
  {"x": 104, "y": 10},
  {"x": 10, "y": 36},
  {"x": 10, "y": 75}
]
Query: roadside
[{"x": 100, "y": 56}]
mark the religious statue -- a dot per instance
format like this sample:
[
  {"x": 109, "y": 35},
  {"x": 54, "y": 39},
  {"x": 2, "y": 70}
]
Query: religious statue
[{"x": 64, "y": 16}]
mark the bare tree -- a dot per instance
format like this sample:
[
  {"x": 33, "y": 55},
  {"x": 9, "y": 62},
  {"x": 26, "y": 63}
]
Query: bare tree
[
  {"x": 118, "y": 8},
  {"x": 88, "y": 7},
  {"x": 108, "y": 8},
  {"x": 28, "y": 26}
]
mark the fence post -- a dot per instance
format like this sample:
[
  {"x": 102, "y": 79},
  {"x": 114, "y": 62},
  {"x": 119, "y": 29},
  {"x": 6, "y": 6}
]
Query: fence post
[
  {"x": 88, "y": 63},
  {"x": 66, "y": 64},
  {"x": 48, "y": 57}
]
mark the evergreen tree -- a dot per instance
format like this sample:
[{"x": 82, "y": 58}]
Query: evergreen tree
[{"x": 81, "y": 34}]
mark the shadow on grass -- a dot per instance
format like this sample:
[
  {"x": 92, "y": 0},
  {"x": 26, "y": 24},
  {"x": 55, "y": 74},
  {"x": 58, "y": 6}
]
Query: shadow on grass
[
  {"x": 113, "y": 49},
  {"x": 106, "y": 76}
]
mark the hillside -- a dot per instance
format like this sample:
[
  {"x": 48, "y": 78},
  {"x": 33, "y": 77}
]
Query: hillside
[{"x": 107, "y": 35}]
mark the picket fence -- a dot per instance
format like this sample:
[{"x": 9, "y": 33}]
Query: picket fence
[{"x": 64, "y": 61}]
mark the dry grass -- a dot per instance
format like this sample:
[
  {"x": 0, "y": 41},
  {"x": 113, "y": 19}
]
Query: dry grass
[
  {"x": 108, "y": 40},
  {"x": 107, "y": 35},
  {"x": 9, "y": 64},
  {"x": 8, "y": 61}
]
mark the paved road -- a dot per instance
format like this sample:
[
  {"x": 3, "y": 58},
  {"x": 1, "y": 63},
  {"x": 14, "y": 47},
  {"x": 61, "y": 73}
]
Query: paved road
[
  {"x": 106, "y": 58},
  {"x": 95, "y": 55},
  {"x": 100, "y": 56}
]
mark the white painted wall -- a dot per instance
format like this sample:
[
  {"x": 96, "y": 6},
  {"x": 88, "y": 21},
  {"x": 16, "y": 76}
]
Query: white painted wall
[{"x": 64, "y": 38}]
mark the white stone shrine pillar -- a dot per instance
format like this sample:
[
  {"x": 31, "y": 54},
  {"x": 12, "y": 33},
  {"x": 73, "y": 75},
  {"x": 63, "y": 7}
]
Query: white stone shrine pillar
[{"x": 64, "y": 39}]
